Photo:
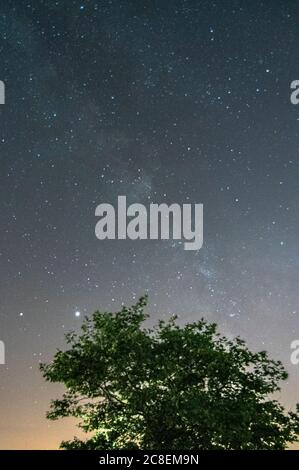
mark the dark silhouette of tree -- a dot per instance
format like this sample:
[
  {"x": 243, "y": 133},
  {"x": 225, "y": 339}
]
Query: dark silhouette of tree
[{"x": 170, "y": 387}]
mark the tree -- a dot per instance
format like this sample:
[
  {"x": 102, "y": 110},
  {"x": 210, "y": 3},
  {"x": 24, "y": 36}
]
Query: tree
[{"x": 168, "y": 387}]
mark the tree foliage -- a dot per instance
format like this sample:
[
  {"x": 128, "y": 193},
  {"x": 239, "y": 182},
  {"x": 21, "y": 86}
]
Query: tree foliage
[{"x": 168, "y": 387}]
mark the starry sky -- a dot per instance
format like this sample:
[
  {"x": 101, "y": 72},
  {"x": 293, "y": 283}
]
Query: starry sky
[{"x": 178, "y": 101}]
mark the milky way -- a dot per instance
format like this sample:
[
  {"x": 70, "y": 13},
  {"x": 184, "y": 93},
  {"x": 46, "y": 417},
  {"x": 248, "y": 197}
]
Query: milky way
[{"x": 177, "y": 101}]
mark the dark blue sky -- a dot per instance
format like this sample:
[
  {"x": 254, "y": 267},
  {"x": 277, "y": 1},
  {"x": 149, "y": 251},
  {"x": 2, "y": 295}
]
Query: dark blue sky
[{"x": 177, "y": 101}]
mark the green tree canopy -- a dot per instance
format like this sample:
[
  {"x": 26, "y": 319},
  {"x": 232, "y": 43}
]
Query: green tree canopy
[{"x": 168, "y": 387}]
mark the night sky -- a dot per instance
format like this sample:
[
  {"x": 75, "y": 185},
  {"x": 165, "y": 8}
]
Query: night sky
[{"x": 177, "y": 101}]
